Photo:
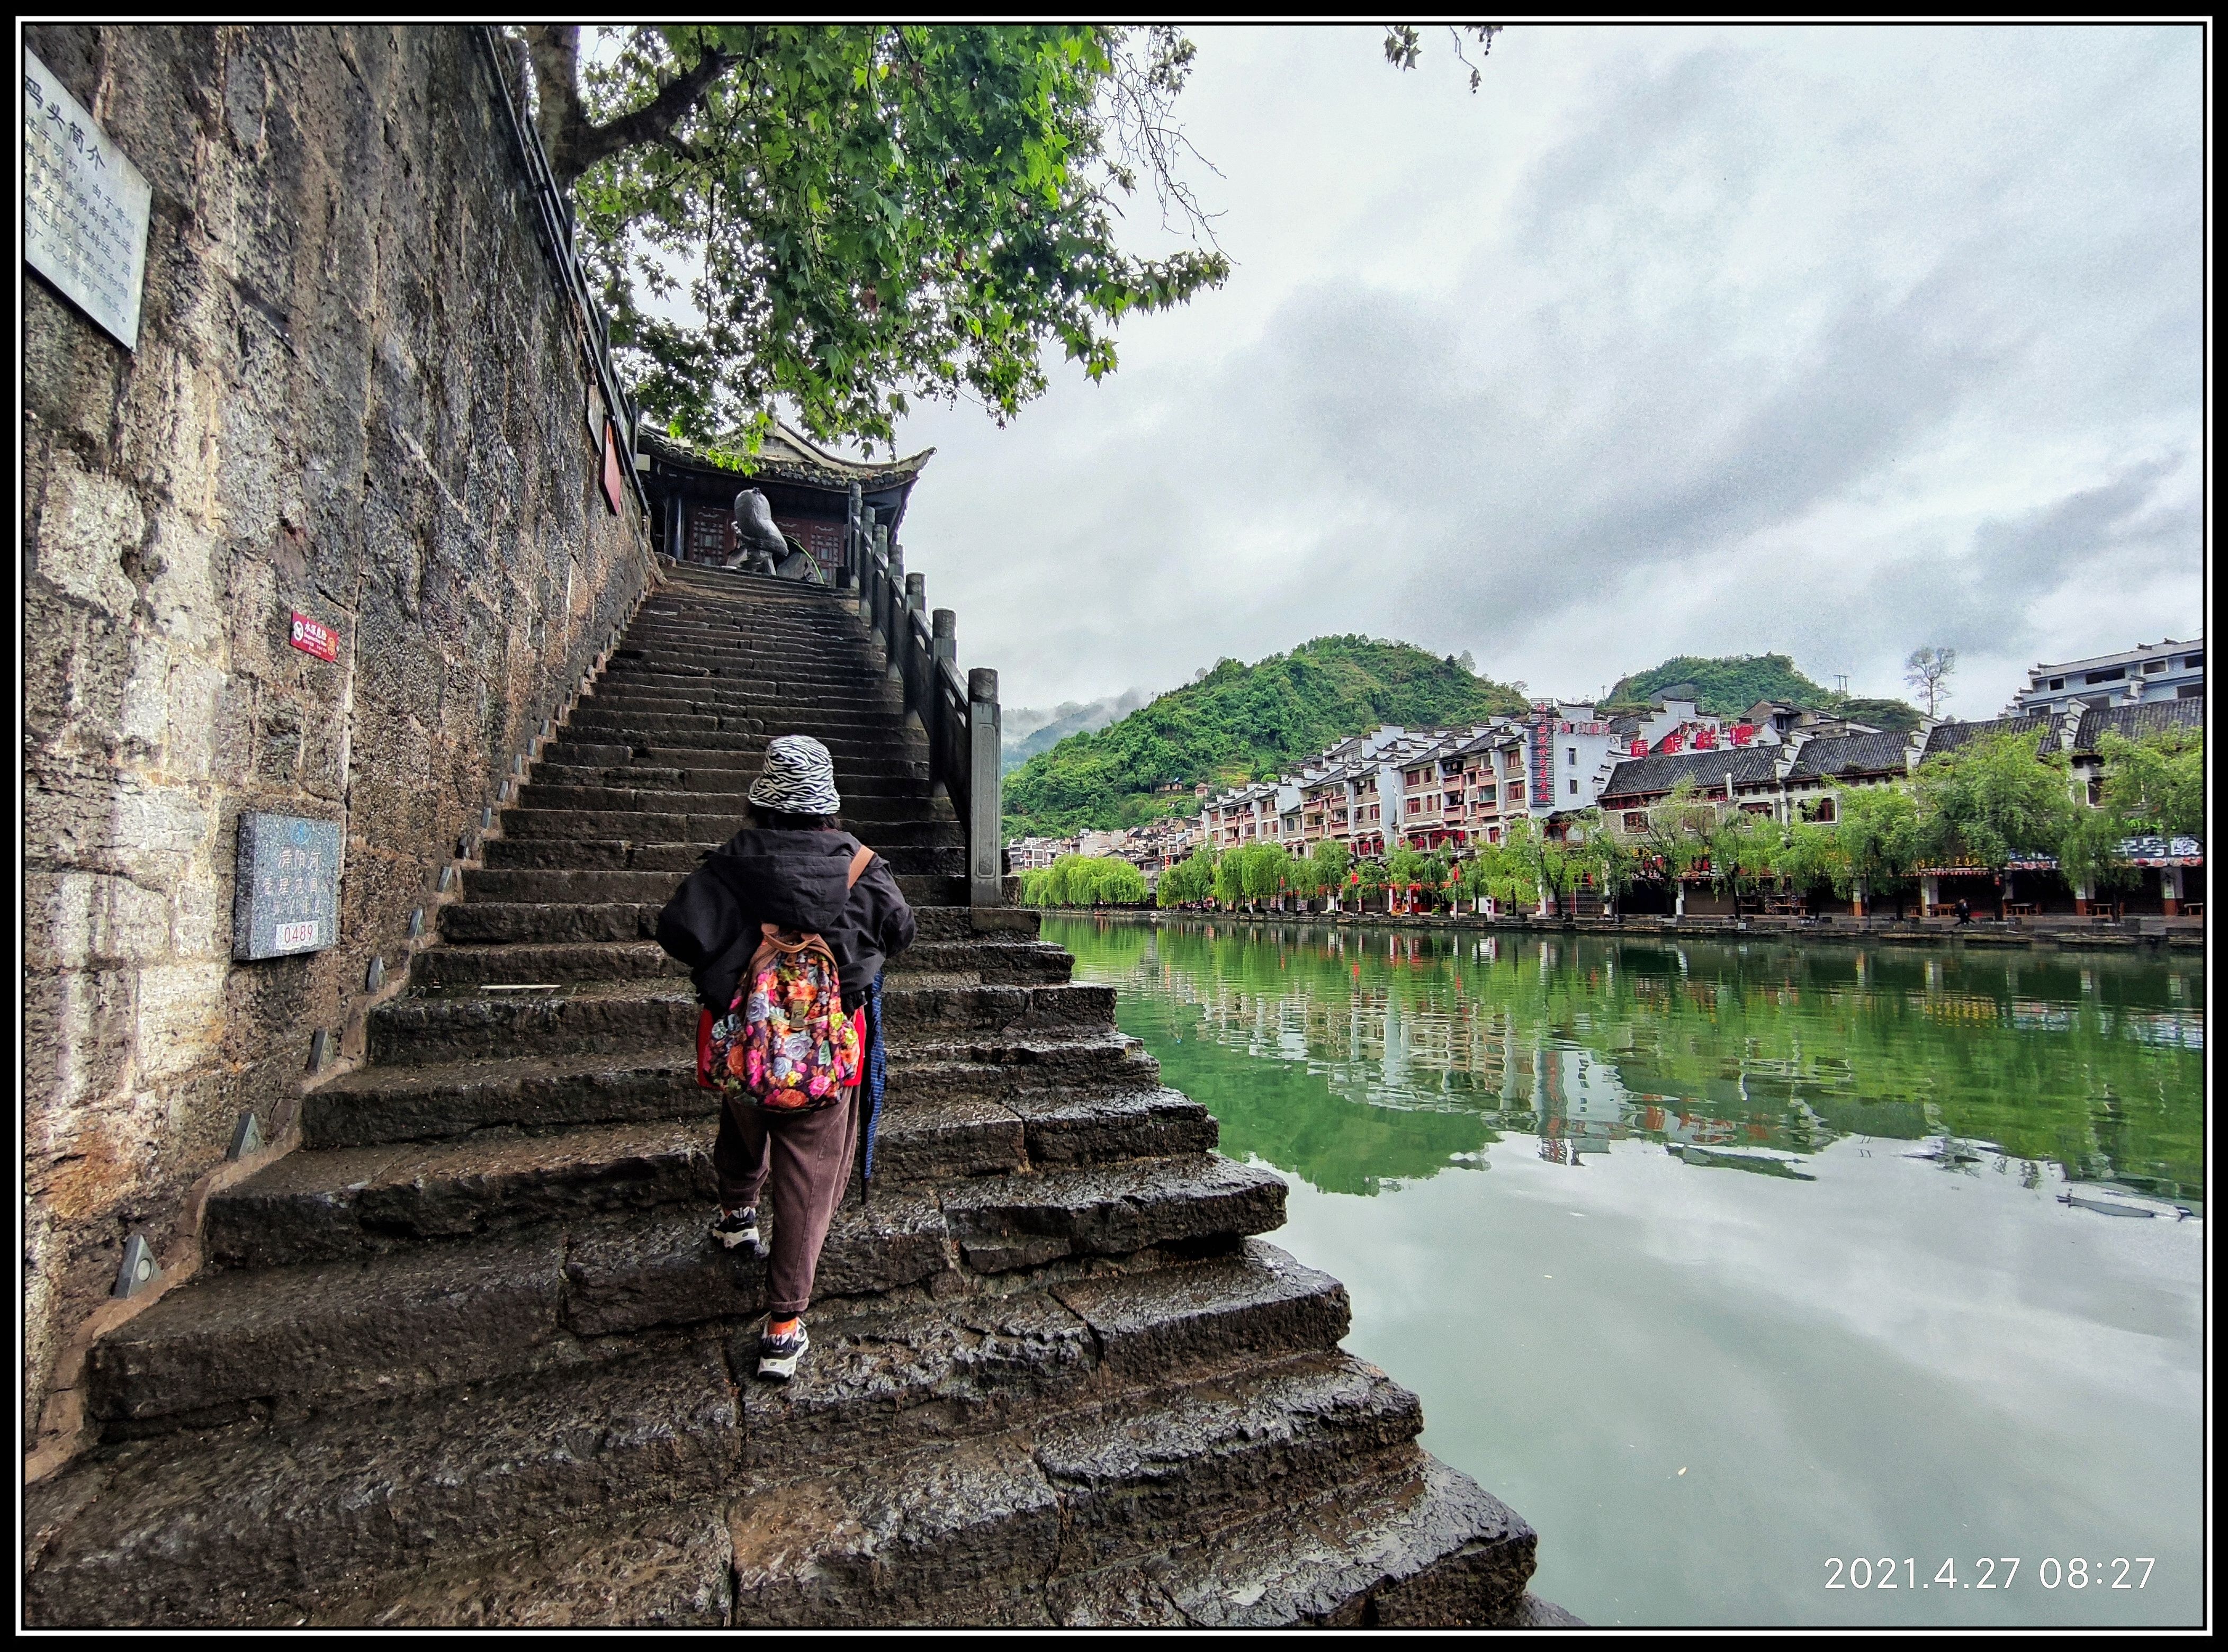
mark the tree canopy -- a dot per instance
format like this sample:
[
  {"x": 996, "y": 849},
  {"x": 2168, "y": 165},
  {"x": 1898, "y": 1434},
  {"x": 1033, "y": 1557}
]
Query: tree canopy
[
  {"x": 1084, "y": 881},
  {"x": 849, "y": 218}
]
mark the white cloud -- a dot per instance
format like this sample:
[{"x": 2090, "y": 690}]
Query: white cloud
[{"x": 1829, "y": 341}]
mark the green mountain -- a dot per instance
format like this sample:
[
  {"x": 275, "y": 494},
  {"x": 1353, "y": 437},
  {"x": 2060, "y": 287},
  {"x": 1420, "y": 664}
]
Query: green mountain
[
  {"x": 1241, "y": 723},
  {"x": 1725, "y": 686},
  {"x": 1732, "y": 683}
]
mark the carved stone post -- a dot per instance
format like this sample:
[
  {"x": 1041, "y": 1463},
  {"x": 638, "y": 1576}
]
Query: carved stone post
[{"x": 985, "y": 851}]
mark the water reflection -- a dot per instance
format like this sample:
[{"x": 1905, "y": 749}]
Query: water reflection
[
  {"x": 1389, "y": 1056},
  {"x": 1781, "y": 1255}
]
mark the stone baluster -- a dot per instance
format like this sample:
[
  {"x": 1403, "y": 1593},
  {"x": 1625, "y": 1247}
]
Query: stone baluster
[{"x": 986, "y": 885}]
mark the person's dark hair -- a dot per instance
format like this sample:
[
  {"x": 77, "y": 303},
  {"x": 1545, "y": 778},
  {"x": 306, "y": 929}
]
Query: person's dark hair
[{"x": 781, "y": 820}]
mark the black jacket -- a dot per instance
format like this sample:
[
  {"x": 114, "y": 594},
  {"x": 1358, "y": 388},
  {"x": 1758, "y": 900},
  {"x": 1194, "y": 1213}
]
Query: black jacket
[{"x": 794, "y": 880}]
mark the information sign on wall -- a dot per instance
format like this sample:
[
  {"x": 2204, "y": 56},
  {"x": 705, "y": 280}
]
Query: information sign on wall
[
  {"x": 287, "y": 898},
  {"x": 312, "y": 639},
  {"x": 84, "y": 205}
]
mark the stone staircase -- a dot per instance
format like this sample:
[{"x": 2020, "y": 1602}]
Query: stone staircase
[{"x": 468, "y": 1356}]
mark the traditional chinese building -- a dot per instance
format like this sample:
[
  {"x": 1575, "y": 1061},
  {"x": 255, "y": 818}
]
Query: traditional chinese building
[{"x": 692, "y": 492}]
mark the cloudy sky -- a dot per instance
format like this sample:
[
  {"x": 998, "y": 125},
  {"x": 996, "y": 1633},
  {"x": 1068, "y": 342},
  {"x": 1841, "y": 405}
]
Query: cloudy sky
[{"x": 1830, "y": 342}]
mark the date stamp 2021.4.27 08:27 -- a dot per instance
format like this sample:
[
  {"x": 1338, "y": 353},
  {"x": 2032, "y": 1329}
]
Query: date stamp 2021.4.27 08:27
[{"x": 1988, "y": 1571}]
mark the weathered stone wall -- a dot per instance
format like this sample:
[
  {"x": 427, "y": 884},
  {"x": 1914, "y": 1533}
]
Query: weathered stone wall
[{"x": 358, "y": 393}]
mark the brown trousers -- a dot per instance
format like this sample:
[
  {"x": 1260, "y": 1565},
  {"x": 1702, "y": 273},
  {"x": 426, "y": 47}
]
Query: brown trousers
[{"x": 807, "y": 1157}]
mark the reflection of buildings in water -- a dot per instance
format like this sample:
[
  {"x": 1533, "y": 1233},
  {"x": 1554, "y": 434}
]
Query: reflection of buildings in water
[{"x": 1441, "y": 1048}]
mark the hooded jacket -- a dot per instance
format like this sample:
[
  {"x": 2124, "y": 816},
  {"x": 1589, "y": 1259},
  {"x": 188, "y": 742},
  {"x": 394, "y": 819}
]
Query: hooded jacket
[{"x": 793, "y": 880}]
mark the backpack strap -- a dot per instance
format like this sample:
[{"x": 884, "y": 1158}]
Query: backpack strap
[{"x": 859, "y": 862}]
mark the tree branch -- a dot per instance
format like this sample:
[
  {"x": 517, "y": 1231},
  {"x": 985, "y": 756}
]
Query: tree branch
[{"x": 575, "y": 143}]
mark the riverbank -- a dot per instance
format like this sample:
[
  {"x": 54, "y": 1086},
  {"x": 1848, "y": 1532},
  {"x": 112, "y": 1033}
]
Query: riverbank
[{"x": 2075, "y": 934}]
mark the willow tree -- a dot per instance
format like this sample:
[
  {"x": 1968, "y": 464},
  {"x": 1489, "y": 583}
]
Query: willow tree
[
  {"x": 1990, "y": 800},
  {"x": 849, "y": 218}
]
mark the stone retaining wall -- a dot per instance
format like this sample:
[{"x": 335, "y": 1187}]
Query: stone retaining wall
[{"x": 358, "y": 394}]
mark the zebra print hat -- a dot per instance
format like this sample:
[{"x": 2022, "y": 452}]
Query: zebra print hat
[{"x": 799, "y": 779}]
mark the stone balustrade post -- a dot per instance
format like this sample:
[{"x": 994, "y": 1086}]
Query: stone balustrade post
[{"x": 986, "y": 885}]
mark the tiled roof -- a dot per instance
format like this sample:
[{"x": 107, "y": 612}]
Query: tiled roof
[
  {"x": 2133, "y": 722},
  {"x": 1638, "y": 776},
  {"x": 787, "y": 455},
  {"x": 1947, "y": 737},
  {"x": 1824, "y": 758}
]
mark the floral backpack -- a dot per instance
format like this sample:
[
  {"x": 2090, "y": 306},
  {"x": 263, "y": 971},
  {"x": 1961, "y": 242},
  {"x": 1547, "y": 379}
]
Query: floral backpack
[{"x": 785, "y": 1042}]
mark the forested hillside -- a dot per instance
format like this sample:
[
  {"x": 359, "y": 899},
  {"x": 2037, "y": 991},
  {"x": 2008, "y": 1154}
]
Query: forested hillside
[
  {"x": 1731, "y": 683},
  {"x": 1240, "y": 722}
]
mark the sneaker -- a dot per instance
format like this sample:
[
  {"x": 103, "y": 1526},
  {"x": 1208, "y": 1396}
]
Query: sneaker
[
  {"x": 737, "y": 1227},
  {"x": 777, "y": 1355}
]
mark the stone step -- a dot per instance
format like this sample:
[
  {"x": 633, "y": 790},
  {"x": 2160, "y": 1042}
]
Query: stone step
[
  {"x": 1418, "y": 1547},
  {"x": 847, "y": 690},
  {"x": 635, "y": 1274},
  {"x": 868, "y": 809},
  {"x": 1105, "y": 1105},
  {"x": 1423, "y": 1546},
  {"x": 223, "y": 1346},
  {"x": 911, "y": 746},
  {"x": 470, "y": 1023},
  {"x": 956, "y": 921},
  {"x": 882, "y": 735},
  {"x": 1007, "y": 1067},
  {"x": 944, "y": 854},
  {"x": 783, "y": 713},
  {"x": 705, "y": 826},
  {"x": 1020, "y": 963},
  {"x": 856, "y": 683},
  {"x": 501, "y": 922},
  {"x": 252, "y": 1524},
  {"x": 332, "y": 1203},
  {"x": 745, "y": 757},
  {"x": 647, "y": 777},
  {"x": 971, "y": 1534}
]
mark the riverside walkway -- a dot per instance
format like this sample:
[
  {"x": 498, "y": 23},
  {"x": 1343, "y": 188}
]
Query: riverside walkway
[{"x": 468, "y": 1356}]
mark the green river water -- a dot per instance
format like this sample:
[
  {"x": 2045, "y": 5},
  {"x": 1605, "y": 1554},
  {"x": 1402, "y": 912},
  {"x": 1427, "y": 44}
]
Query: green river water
[{"x": 1744, "y": 1271}]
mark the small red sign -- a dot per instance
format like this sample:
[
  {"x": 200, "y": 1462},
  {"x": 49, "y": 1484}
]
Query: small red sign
[
  {"x": 313, "y": 638},
  {"x": 611, "y": 466}
]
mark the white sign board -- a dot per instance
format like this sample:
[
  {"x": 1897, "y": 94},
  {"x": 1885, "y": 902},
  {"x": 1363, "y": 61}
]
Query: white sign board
[{"x": 84, "y": 205}]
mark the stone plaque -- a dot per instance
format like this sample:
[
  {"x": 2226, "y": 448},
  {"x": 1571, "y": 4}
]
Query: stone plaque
[
  {"x": 287, "y": 898},
  {"x": 84, "y": 205}
]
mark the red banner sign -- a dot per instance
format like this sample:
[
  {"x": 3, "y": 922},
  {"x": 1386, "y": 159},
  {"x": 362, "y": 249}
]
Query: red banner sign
[
  {"x": 313, "y": 638},
  {"x": 611, "y": 484}
]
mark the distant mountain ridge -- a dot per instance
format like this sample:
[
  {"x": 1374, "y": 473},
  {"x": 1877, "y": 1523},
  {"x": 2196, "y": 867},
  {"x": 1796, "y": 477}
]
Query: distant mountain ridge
[
  {"x": 1029, "y": 731},
  {"x": 1725, "y": 685},
  {"x": 1239, "y": 722}
]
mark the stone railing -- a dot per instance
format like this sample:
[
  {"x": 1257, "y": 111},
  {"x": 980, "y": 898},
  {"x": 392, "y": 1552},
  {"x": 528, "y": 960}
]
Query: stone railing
[
  {"x": 958, "y": 715},
  {"x": 552, "y": 222}
]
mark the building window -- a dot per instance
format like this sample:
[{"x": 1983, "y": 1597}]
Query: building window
[
  {"x": 1571, "y": 755},
  {"x": 1415, "y": 805},
  {"x": 2057, "y": 682},
  {"x": 2190, "y": 691},
  {"x": 2113, "y": 675},
  {"x": 1574, "y": 785},
  {"x": 2096, "y": 793},
  {"x": 2150, "y": 666},
  {"x": 1821, "y": 810},
  {"x": 2193, "y": 662},
  {"x": 1636, "y": 821}
]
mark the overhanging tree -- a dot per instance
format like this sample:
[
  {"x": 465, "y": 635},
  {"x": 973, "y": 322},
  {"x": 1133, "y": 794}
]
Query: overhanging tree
[{"x": 847, "y": 218}]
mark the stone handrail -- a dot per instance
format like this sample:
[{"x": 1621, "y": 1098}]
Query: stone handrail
[
  {"x": 553, "y": 220},
  {"x": 960, "y": 716}
]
